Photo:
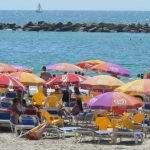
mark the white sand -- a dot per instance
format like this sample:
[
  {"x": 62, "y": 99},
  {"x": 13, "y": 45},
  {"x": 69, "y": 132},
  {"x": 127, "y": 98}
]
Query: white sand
[{"x": 8, "y": 141}]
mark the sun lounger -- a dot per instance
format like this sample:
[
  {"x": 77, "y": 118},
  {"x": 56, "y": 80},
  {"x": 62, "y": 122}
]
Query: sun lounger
[
  {"x": 51, "y": 131},
  {"x": 5, "y": 119},
  {"x": 136, "y": 135},
  {"x": 79, "y": 133},
  {"x": 27, "y": 122}
]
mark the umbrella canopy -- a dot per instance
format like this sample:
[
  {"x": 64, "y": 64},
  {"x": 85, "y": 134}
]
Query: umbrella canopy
[
  {"x": 28, "y": 78},
  {"x": 89, "y": 63},
  {"x": 65, "y": 78},
  {"x": 113, "y": 101},
  {"x": 6, "y": 81},
  {"x": 111, "y": 68},
  {"x": 102, "y": 81},
  {"x": 64, "y": 67},
  {"x": 5, "y": 68},
  {"x": 22, "y": 68},
  {"x": 141, "y": 86}
]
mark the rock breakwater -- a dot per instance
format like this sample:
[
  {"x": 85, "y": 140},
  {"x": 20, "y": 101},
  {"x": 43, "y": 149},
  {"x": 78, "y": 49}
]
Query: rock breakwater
[{"x": 77, "y": 27}]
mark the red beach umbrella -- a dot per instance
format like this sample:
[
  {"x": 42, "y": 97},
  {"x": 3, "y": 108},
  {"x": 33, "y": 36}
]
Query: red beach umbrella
[
  {"x": 65, "y": 79},
  {"x": 6, "y": 81}
]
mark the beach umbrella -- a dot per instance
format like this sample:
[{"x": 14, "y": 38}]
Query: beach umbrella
[
  {"x": 111, "y": 68},
  {"x": 102, "y": 81},
  {"x": 5, "y": 68},
  {"x": 89, "y": 63},
  {"x": 6, "y": 81},
  {"x": 28, "y": 78},
  {"x": 65, "y": 79},
  {"x": 113, "y": 101},
  {"x": 141, "y": 86},
  {"x": 22, "y": 69},
  {"x": 64, "y": 67}
]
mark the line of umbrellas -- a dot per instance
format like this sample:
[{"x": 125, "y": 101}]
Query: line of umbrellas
[
  {"x": 108, "y": 100},
  {"x": 104, "y": 82}
]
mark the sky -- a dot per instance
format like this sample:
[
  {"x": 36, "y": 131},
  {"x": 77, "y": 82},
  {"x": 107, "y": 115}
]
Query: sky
[{"x": 141, "y": 5}]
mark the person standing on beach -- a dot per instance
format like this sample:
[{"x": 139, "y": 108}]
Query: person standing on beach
[{"x": 46, "y": 76}]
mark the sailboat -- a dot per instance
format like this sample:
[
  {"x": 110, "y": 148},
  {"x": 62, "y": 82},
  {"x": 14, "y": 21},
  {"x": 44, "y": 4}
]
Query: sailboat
[{"x": 39, "y": 8}]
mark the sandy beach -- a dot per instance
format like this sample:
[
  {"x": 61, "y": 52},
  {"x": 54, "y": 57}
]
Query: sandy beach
[{"x": 9, "y": 141}]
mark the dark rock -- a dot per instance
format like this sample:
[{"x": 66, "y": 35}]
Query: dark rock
[
  {"x": 28, "y": 24},
  {"x": 33, "y": 28},
  {"x": 59, "y": 25},
  {"x": 69, "y": 23}
]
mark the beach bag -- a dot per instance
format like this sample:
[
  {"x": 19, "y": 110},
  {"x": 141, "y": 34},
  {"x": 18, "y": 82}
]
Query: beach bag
[{"x": 36, "y": 133}]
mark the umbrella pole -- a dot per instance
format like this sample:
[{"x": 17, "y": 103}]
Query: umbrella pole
[{"x": 69, "y": 97}]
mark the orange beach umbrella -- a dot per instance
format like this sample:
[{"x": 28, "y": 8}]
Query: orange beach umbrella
[
  {"x": 102, "y": 81},
  {"x": 89, "y": 63},
  {"x": 141, "y": 86},
  {"x": 28, "y": 78}
]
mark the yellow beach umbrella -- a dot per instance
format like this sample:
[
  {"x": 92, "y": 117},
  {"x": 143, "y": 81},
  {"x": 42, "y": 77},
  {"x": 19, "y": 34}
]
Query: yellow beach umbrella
[
  {"x": 102, "y": 81},
  {"x": 141, "y": 86},
  {"x": 28, "y": 78}
]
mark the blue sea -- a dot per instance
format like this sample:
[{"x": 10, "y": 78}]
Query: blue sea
[{"x": 35, "y": 49}]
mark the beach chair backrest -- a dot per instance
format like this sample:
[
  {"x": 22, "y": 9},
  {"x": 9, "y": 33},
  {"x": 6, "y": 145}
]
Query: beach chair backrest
[
  {"x": 38, "y": 99},
  {"x": 5, "y": 115},
  {"x": 85, "y": 98},
  {"x": 138, "y": 118},
  {"x": 50, "y": 118},
  {"x": 128, "y": 124},
  {"x": 28, "y": 120},
  {"x": 51, "y": 101},
  {"x": 58, "y": 95},
  {"x": 5, "y": 104},
  {"x": 40, "y": 89},
  {"x": 93, "y": 94},
  {"x": 47, "y": 116},
  {"x": 126, "y": 115},
  {"x": 103, "y": 123}
]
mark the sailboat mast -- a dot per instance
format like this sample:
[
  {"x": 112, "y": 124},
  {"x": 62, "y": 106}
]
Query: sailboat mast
[{"x": 39, "y": 9}]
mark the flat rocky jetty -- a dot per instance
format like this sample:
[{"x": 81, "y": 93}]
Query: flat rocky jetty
[{"x": 77, "y": 27}]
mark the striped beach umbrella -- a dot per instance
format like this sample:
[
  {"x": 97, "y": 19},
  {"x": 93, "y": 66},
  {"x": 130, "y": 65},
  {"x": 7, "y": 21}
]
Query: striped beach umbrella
[
  {"x": 6, "y": 81},
  {"x": 65, "y": 79}
]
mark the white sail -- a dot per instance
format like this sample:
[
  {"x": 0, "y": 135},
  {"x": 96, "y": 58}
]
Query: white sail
[{"x": 39, "y": 9}]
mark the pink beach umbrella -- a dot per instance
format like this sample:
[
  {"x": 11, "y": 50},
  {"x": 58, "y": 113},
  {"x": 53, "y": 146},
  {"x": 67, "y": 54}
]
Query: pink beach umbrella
[
  {"x": 22, "y": 69},
  {"x": 64, "y": 67},
  {"x": 113, "y": 101},
  {"x": 111, "y": 68},
  {"x": 6, "y": 68}
]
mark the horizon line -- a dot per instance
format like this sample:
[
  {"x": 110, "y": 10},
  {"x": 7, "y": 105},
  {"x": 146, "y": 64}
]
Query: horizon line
[{"x": 69, "y": 10}]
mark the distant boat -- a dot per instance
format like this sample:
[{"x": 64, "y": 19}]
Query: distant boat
[{"x": 39, "y": 8}]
